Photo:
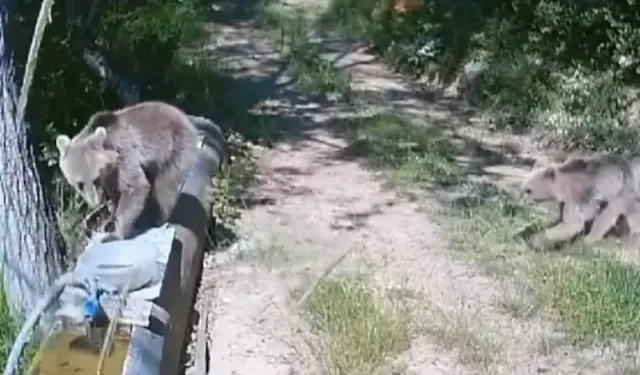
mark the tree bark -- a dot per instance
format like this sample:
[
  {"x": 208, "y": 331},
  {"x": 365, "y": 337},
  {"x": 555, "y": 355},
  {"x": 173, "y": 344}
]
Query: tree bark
[{"x": 31, "y": 255}]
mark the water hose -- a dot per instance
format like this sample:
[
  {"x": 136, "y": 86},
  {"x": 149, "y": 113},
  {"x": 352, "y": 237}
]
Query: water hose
[
  {"x": 92, "y": 308},
  {"x": 23, "y": 337},
  {"x": 97, "y": 275}
]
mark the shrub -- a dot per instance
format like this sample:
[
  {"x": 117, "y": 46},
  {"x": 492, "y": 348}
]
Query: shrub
[
  {"x": 143, "y": 39},
  {"x": 563, "y": 65}
]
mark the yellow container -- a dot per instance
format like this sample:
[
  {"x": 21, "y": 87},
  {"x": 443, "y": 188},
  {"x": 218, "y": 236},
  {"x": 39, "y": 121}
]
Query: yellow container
[{"x": 70, "y": 352}]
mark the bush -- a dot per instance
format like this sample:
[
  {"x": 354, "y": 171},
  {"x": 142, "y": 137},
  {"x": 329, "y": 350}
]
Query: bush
[
  {"x": 559, "y": 66},
  {"x": 595, "y": 108},
  {"x": 142, "y": 40},
  {"x": 513, "y": 88}
]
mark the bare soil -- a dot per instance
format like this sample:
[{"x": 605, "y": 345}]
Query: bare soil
[{"x": 321, "y": 205}]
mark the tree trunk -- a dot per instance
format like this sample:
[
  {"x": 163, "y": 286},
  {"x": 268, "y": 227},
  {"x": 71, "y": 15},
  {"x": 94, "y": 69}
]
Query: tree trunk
[{"x": 31, "y": 255}]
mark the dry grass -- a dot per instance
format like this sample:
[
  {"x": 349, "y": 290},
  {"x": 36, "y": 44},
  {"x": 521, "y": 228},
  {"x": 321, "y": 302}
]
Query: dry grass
[
  {"x": 453, "y": 332},
  {"x": 269, "y": 254}
]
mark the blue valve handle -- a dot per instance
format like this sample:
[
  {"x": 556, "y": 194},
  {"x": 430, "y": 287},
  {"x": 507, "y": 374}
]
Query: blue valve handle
[{"x": 92, "y": 307}]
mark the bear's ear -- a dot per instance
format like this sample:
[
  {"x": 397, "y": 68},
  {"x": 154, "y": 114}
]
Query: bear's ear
[
  {"x": 62, "y": 142},
  {"x": 99, "y": 136}
]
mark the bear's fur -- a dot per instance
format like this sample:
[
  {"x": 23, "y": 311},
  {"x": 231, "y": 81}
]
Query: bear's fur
[
  {"x": 137, "y": 156},
  {"x": 596, "y": 189},
  {"x": 580, "y": 179}
]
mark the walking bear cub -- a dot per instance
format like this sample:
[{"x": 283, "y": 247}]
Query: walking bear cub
[{"x": 137, "y": 156}]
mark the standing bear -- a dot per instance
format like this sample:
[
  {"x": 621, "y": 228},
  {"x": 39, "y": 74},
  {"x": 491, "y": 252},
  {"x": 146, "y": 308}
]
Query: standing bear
[{"x": 137, "y": 157}]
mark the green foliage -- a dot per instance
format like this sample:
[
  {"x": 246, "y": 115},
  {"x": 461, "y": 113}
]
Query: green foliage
[
  {"x": 514, "y": 88},
  {"x": 359, "y": 330},
  {"x": 409, "y": 152},
  {"x": 598, "y": 298},
  {"x": 593, "y": 293},
  {"x": 560, "y": 65},
  {"x": 65, "y": 92},
  {"x": 7, "y": 330},
  {"x": 142, "y": 39},
  {"x": 229, "y": 189},
  {"x": 595, "y": 109},
  {"x": 315, "y": 75}
]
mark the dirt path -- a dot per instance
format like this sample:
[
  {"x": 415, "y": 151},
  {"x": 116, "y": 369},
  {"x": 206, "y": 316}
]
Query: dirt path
[{"x": 321, "y": 206}]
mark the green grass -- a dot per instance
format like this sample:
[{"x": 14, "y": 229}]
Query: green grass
[
  {"x": 594, "y": 296},
  {"x": 70, "y": 214},
  {"x": 407, "y": 152},
  {"x": 8, "y": 329},
  {"x": 598, "y": 298},
  {"x": 453, "y": 332},
  {"x": 229, "y": 187},
  {"x": 359, "y": 331},
  {"x": 484, "y": 225},
  {"x": 314, "y": 74}
]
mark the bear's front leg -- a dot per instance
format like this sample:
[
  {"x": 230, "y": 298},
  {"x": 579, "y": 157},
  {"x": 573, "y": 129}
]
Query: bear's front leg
[
  {"x": 134, "y": 190},
  {"x": 608, "y": 217}
]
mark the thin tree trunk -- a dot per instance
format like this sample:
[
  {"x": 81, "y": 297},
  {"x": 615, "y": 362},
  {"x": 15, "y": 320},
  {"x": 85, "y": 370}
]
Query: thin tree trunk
[{"x": 31, "y": 257}]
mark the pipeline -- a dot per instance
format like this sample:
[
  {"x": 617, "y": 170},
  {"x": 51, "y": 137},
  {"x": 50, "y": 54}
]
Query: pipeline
[
  {"x": 104, "y": 272},
  {"x": 106, "y": 265}
]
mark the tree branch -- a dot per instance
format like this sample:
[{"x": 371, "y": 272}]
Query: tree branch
[{"x": 44, "y": 17}]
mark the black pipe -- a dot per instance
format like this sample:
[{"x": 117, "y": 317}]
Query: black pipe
[{"x": 158, "y": 349}]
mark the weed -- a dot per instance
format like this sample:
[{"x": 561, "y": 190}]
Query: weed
[
  {"x": 410, "y": 153},
  {"x": 71, "y": 211},
  {"x": 452, "y": 331},
  {"x": 8, "y": 329},
  {"x": 598, "y": 298},
  {"x": 359, "y": 331},
  {"x": 229, "y": 189},
  {"x": 484, "y": 224},
  {"x": 595, "y": 296},
  {"x": 314, "y": 74}
]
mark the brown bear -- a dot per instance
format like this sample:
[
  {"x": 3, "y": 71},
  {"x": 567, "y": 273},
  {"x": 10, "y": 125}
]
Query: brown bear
[
  {"x": 137, "y": 156},
  {"x": 597, "y": 189}
]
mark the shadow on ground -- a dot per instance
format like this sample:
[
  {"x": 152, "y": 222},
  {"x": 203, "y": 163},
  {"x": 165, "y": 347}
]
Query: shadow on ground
[{"x": 242, "y": 82}]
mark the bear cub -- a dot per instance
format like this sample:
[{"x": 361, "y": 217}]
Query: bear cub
[{"x": 137, "y": 157}]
